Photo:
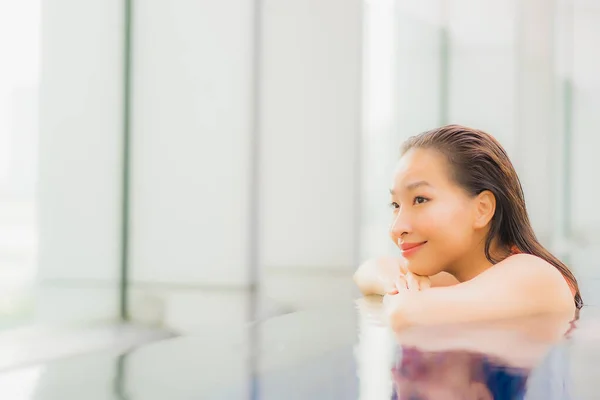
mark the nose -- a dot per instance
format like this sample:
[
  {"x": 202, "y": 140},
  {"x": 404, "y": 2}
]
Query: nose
[{"x": 400, "y": 225}]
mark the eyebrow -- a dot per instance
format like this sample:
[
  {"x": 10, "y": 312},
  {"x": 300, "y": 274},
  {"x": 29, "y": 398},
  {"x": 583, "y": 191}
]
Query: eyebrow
[{"x": 413, "y": 186}]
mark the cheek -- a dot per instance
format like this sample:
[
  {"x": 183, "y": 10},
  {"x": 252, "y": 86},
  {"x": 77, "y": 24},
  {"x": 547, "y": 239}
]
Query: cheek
[
  {"x": 449, "y": 231},
  {"x": 451, "y": 223}
]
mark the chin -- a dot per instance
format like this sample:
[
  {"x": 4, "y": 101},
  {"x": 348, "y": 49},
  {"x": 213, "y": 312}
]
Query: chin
[{"x": 422, "y": 269}]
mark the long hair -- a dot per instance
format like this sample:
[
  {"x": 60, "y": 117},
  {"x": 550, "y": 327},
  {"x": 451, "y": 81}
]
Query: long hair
[{"x": 478, "y": 163}]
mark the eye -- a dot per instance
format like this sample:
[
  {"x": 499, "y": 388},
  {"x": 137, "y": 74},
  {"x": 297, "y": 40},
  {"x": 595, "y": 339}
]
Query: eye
[
  {"x": 420, "y": 200},
  {"x": 394, "y": 205}
]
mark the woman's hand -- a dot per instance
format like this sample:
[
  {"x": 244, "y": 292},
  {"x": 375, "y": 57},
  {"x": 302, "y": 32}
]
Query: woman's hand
[
  {"x": 379, "y": 275},
  {"x": 401, "y": 300},
  {"x": 408, "y": 281},
  {"x": 400, "y": 308},
  {"x": 385, "y": 275}
]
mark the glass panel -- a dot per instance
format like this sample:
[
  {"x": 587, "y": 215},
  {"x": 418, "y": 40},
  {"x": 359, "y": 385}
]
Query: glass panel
[{"x": 19, "y": 84}]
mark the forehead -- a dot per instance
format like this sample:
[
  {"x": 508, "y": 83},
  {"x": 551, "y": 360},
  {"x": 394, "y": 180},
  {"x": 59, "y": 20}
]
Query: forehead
[{"x": 421, "y": 164}]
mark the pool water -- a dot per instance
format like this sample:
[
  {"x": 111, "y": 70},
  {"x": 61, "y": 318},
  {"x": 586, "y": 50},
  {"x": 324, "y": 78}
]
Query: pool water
[{"x": 344, "y": 351}]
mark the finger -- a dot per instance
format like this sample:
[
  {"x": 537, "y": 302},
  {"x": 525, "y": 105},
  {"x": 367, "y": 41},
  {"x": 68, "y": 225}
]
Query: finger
[
  {"x": 401, "y": 283},
  {"x": 411, "y": 282},
  {"x": 425, "y": 283},
  {"x": 388, "y": 285},
  {"x": 392, "y": 290}
]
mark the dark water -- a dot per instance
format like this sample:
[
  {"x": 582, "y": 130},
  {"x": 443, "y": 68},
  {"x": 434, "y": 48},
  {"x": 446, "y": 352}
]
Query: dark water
[{"x": 342, "y": 352}]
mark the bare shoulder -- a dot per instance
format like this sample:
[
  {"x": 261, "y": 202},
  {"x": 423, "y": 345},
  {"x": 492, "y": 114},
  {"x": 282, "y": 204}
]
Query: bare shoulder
[
  {"x": 537, "y": 277},
  {"x": 530, "y": 266}
]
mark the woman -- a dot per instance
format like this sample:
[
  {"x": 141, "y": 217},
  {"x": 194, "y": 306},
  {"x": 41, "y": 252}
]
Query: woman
[{"x": 460, "y": 221}]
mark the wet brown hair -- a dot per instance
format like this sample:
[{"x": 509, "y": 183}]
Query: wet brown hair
[{"x": 478, "y": 163}]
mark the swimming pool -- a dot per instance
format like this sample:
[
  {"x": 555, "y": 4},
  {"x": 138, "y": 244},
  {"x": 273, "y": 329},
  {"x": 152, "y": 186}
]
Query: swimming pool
[{"x": 338, "y": 352}]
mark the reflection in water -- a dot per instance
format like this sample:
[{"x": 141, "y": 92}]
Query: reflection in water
[
  {"x": 455, "y": 375},
  {"x": 465, "y": 375},
  {"x": 119, "y": 383},
  {"x": 524, "y": 358}
]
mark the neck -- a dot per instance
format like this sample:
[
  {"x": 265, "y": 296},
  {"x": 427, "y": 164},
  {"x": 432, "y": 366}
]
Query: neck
[{"x": 475, "y": 262}]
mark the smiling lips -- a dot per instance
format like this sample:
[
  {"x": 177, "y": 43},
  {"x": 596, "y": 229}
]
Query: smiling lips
[{"x": 408, "y": 249}]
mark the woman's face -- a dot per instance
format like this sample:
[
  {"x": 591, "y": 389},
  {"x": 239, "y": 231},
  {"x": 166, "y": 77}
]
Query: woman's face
[{"x": 433, "y": 218}]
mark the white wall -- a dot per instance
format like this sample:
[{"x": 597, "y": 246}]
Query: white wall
[
  {"x": 310, "y": 100},
  {"x": 585, "y": 142},
  {"x": 79, "y": 176},
  {"x": 192, "y": 110},
  {"x": 482, "y": 59},
  {"x": 191, "y": 135},
  {"x": 537, "y": 124},
  {"x": 586, "y": 122}
]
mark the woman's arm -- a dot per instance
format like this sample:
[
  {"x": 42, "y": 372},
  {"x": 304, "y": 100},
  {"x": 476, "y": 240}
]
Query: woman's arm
[
  {"x": 378, "y": 276},
  {"x": 519, "y": 341},
  {"x": 522, "y": 285}
]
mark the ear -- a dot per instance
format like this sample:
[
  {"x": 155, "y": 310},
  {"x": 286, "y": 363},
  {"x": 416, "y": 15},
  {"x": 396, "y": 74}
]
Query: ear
[{"x": 485, "y": 207}]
